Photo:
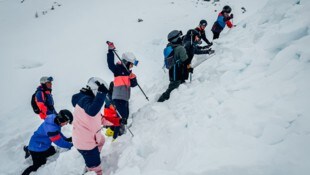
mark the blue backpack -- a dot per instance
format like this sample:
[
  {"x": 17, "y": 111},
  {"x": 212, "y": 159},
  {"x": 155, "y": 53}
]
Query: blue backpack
[{"x": 169, "y": 57}]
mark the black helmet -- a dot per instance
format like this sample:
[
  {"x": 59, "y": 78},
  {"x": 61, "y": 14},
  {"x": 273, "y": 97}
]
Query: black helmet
[
  {"x": 65, "y": 116},
  {"x": 226, "y": 9},
  {"x": 203, "y": 23},
  {"x": 174, "y": 35}
]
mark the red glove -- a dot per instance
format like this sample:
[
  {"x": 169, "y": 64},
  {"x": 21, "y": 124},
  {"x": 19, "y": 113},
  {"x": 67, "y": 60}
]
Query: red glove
[
  {"x": 111, "y": 46},
  {"x": 132, "y": 75}
]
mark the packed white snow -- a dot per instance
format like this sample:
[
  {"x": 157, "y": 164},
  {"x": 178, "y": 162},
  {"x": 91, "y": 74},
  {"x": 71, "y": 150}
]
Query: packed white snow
[{"x": 245, "y": 112}]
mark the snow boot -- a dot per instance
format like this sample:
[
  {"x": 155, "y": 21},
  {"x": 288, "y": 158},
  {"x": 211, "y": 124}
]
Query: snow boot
[
  {"x": 27, "y": 153},
  {"x": 122, "y": 130}
]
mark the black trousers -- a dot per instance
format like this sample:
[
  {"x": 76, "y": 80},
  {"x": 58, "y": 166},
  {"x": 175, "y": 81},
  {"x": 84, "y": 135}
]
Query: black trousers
[
  {"x": 172, "y": 85},
  {"x": 39, "y": 159},
  {"x": 215, "y": 35}
]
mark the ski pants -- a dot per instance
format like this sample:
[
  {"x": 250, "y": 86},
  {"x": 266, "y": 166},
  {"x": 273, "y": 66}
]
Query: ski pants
[
  {"x": 122, "y": 107},
  {"x": 92, "y": 159},
  {"x": 39, "y": 159},
  {"x": 172, "y": 85},
  {"x": 216, "y": 35}
]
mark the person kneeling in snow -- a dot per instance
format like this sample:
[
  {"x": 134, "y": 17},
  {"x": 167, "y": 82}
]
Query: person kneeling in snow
[
  {"x": 124, "y": 79},
  {"x": 86, "y": 135},
  {"x": 40, "y": 145}
]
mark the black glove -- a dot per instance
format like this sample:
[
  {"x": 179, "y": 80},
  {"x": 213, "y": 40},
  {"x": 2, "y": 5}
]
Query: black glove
[
  {"x": 124, "y": 121},
  {"x": 211, "y": 52},
  {"x": 69, "y": 139},
  {"x": 102, "y": 88},
  {"x": 231, "y": 16},
  {"x": 211, "y": 44},
  {"x": 191, "y": 70}
]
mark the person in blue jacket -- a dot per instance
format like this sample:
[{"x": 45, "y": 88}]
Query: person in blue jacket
[
  {"x": 124, "y": 80},
  {"x": 223, "y": 19},
  {"x": 40, "y": 144}
]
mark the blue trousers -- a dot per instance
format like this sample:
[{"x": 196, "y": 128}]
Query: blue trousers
[{"x": 91, "y": 157}]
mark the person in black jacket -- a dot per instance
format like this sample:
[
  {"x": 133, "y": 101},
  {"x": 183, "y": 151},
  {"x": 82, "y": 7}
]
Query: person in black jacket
[
  {"x": 192, "y": 41},
  {"x": 202, "y": 34}
]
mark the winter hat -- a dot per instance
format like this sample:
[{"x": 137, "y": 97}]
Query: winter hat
[
  {"x": 227, "y": 9},
  {"x": 65, "y": 116},
  {"x": 174, "y": 35},
  {"x": 46, "y": 79},
  {"x": 203, "y": 23},
  {"x": 92, "y": 85},
  {"x": 129, "y": 57}
]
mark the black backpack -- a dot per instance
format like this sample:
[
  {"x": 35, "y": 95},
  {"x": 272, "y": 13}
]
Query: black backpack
[{"x": 34, "y": 105}]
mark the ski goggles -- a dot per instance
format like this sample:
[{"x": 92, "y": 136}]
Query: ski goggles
[
  {"x": 50, "y": 79},
  {"x": 135, "y": 63}
]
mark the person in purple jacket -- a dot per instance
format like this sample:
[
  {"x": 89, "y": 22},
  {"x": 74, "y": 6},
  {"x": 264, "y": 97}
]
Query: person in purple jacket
[{"x": 40, "y": 144}]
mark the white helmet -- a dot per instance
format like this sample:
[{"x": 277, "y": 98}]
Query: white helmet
[
  {"x": 91, "y": 84},
  {"x": 46, "y": 79},
  {"x": 130, "y": 57}
]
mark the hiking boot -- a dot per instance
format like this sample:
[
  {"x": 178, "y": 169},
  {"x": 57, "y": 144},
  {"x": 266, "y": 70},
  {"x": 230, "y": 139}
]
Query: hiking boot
[
  {"x": 122, "y": 130},
  {"x": 27, "y": 153}
]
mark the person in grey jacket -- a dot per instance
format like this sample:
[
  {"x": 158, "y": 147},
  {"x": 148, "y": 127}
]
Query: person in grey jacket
[
  {"x": 176, "y": 72},
  {"x": 124, "y": 80}
]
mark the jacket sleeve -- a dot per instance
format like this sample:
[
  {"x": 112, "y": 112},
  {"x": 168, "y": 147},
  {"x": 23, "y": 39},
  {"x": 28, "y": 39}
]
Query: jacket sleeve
[
  {"x": 110, "y": 59},
  {"x": 133, "y": 80},
  {"x": 50, "y": 104},
  {"x": 92, "y": 106},
  {"x": 182, "y": 54},
  {"x": 199, "y": 50},
  {"x": 41, "y": 103},
  {"x": 203, "y": 36},
  {"x": 229, "y": 24},
  {"x": 57, "y": 138}
]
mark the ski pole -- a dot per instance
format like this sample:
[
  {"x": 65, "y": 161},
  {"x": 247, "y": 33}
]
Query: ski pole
[
  {"x": 120, "y": 116},
  {"x": 128, "y": 71}
]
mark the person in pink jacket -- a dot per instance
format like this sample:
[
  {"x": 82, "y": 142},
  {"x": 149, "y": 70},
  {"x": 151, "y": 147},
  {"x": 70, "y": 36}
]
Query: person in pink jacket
[{"x": 86, "y": 135}]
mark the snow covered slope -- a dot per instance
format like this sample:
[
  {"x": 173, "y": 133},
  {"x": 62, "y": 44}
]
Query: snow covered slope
[{"x": 245, "y": 112}]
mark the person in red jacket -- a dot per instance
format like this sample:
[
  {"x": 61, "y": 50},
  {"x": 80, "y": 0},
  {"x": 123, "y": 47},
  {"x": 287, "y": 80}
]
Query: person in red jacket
[
  {"x": 223, "y": 19},
  {"x": 110, "y": 118}
]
